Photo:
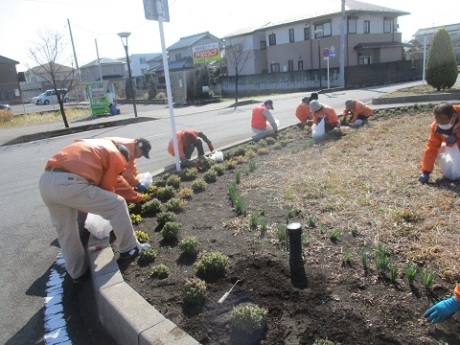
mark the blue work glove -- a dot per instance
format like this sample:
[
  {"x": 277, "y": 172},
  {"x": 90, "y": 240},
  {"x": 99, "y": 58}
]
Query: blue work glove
[
  {"x": 443, "y": 310},
  {"x": 141, "y": 187},
  {"x": 452, "y": 138},
  {"x": 424, "y": 177}
]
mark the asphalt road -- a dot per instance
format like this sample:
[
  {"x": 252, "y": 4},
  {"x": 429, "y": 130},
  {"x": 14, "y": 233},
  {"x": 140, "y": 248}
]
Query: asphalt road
[{"x": 27, "y": 239}]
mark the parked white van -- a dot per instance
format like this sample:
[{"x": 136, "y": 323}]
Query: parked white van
[{"x": 49, "y": 96}]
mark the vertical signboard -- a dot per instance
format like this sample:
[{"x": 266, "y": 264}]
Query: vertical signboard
[{"x": 98, "y": 101}]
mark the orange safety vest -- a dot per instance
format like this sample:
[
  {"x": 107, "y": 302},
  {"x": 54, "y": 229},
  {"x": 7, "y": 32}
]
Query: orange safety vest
[
  {"x": 258, "y": 119},
  {"x": 180, "y": 142}
]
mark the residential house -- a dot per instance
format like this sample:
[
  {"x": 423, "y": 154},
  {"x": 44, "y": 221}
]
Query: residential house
[
  {"x": 9, "y": 83},
  {"x": 298, "y": 43},
  {"x": 188, "y": 80},
  {"x": 424, "y": 36},
  {"x": 106, "y": 69},
  {"x": 139, "y": 66},
  {"x": 38, "y": 79}
]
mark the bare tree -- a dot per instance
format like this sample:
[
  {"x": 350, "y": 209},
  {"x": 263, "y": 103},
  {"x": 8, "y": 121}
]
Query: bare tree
[
  {"x": 49, "y": 54},
  {"x": 237, "y": 54}
]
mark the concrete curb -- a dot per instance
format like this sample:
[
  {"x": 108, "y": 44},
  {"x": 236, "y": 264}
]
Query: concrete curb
[
  {"x": 418, "y": 98},
  {"x": 122, "y": 311}
]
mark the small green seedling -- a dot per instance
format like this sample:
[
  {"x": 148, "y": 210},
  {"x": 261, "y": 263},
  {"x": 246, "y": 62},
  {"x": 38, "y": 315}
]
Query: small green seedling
[
  {"x": 393, "y": 273},
  {"x": 411, "y": 272},
  {"x": 427, "y": 279},
  {"x": 334, "y": 235},
  {"x": 253, "y": 221},
  {"x": 171, "y": 230},
  {"x": 365, "y": 261},
  {"x": 160, "y": 271},
  {"x": 248, "y": 318},
  {"x": 195, "y": 291},
  {"x": 199, "y": 185},
  {"x": 346, "y": 259},
  {"x": 281, "y": 233},
  {"x": 190, "y": 246},
  {"x": 147, "y": 256}
]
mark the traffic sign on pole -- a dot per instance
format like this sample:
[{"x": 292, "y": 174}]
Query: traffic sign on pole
[{"x": 326, "y": 53}]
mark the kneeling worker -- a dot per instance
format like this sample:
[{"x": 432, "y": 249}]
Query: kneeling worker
[
  {"x": 187, "y": 141},
  {"x": 262, "y": 120},
  {"x": 321, "y": 111},
  {"x": 359, "y": 111}
]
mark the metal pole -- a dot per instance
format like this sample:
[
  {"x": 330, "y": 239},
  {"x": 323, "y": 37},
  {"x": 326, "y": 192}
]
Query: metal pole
[
  {"x": 342, "y": 48},
  {"x": 424, "y": 59},
  {"x": 319, "y": 62},
  {"x": 98, "y": 61},
  {"x": 168, "y": 85},
  {"x": 328, "y": 80},
  {"x": 131, "y": 79},
  {"x": 297, "y": 268},
  {"x": 76, "y": 62}
]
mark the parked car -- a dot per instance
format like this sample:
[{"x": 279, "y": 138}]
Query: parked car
[
  {"x": 50, "y": 96},
  {"x": 6, "y": 114}
]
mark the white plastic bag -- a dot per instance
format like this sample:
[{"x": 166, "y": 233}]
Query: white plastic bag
[
  {"x": 449, "y": 161},
  {"x": 145, "y": 178},
  {"x": 318, "y": 130},
  {"x": 98, "y": 226},
  {"x": 218, "y": 156}
]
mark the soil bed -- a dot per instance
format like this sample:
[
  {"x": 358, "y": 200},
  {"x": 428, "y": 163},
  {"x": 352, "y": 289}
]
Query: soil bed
[{"x": 353, "y": 194}]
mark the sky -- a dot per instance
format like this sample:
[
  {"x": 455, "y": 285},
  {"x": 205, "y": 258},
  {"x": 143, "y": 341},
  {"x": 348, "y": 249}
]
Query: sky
[{"x": 99, "y": 21}]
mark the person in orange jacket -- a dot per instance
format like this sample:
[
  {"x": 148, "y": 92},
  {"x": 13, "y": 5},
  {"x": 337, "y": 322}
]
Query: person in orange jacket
[
  {"x": 445, "y": 129},
  {"x": 444, "y": 309},
  {"x": 262, "y": 120},
  {"x": 321, "y": 111},
  {"x": 83, "y": 176},
  {"x": 359, "y": 111},
  {"x": 303, "y": 112},
  {"x": 128, "y": 185},
  {"x": 188, "y": 140}
]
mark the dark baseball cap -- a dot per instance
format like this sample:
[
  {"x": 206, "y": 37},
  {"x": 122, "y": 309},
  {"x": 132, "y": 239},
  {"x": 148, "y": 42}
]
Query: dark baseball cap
[
  {"x": 269, "y": 102},
  {"x": 145, "y": 146}
]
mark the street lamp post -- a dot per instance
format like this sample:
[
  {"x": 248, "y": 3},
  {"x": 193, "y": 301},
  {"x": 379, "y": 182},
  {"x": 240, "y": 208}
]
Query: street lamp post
[
  {"x": 124, "y": 40},
  {"x": 318, "y": 34}
]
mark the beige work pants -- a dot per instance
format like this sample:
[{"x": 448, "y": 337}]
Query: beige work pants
[{"x": 65, "y": 193}]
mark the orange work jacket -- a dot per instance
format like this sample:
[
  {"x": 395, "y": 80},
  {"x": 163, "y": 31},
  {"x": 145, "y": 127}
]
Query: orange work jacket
[
  {"x": 303, "y": 112},
  {"x": 258, "y": 119},
  {"x": 359, "y": 109},
  {"x": 97, "y": 161},
  {"x": 180, "y": 142},
  {"x": 433, "y": 144},
  {"x": 328, "y": 113}
]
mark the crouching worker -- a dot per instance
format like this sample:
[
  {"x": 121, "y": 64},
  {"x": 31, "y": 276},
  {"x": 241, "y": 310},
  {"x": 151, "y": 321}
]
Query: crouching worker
[
  {"x": 128, "y": 185},
  {"x": 303, "y": 113},
  {"x": 321, "y": 111},
  {"x": 262, "y": 120},
  {"x": 443, "y": 310},
  {"x": 82, "y": 176},
  {"x": 444, "y": 131},
  {"x": 188, "y": 140},
  {"x": 359, "y": 111}
]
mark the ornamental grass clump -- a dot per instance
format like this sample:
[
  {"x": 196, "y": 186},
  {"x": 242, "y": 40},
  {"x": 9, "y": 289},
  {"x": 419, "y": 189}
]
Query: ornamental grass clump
[
  {"x": 188, "y": 174},
  {"x": 219, "y": 169},
  {"x": 236, "y": 199},
  {"x": 240, "y": 151},
  {"x": 170, "y": 231},
  {"x": 199, "y": 185},
  {"x": 160, "y": 271},
  {"x": 166, "y": 193},
  {"x": 411, "y": 272},
  {"x": 152, "y": 207},
  {"x": 195, "y": 292},
  {"x": 142, "y": 236},
  {"x": 212, "y": 265},
  {"x": 147, "y": 256},
  {"x": 248, "y": 318},
  {"x": 185, "y": 193},
  {"x": 427, "y": 279},
  {"x": 190, "y": 246}
]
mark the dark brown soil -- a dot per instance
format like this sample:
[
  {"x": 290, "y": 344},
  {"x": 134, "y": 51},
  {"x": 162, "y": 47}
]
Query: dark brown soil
[{"x": 341, "y": 302}]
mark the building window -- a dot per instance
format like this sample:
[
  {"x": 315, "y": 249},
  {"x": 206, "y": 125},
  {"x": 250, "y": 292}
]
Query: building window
[
  {"x": 272, "y": 40},
  {"x": 367, "y": 27},
  {"x": 323, "y": 30},
  {"x": 364, "y": 60},
  {"x": 263, "y": 45},
  {"x": 300, "y": 65},
  {"x": 352, "y": 25},
  {"x": 290, "y": 65},
  {"x": 291, "y": 35},
  {"x": 387, "y": 25},
  {"x": 306, "y": 33},
  {"x": 275, "y": 67}
]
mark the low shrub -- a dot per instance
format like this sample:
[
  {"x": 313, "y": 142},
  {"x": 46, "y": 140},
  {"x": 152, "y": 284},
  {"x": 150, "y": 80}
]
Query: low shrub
[
  {"x": 219, "y": 169},
  {"x": 248, "y": 318},
  {"x": 195, "y": 291},
  {"x": 173, "y": 181},
  {"x": 166, "y": 193},
  {"x": 175, "y": 205},
  {"x": 152, "y": 207},
  {"x": 190, "y": 246},
  {"x": 210, "y": 176},
  {"x": 171, "y": 230},
  {"x": 142, "y": 236},
  {"x": 147, "y": 256},
  {"x": 160, "y": 271},
  {"x": 199, "y": 185},
  {"x": 188, "y": 174},
  {"x": 164, "y": 217},
  {"x": 185, "y": 193},
  {"x": 212, "y": 265},
  {"x": 135, "y": 219}
]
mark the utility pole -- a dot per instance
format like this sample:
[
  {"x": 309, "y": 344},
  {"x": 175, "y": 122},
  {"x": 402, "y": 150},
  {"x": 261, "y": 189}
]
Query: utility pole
[
  {"x": 76, "y": 62},
  {"x": 342, "y": 48},
  {"x": 98, "y": 61}
]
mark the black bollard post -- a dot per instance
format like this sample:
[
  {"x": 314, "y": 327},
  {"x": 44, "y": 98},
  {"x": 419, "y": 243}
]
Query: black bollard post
[{"x": 298, "y": 276}]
